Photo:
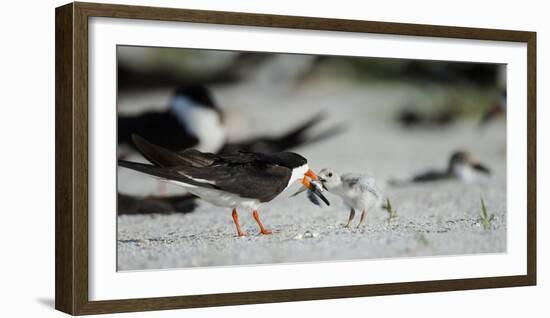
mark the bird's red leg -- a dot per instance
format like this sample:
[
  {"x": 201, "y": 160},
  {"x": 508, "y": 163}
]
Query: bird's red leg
[
  {"x": 236, "y": 220},
  {"x": 263, "y": 230}
]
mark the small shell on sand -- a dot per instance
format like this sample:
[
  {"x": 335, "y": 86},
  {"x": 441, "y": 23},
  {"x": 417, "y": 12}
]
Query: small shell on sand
[{"x": 306, "y": 235}]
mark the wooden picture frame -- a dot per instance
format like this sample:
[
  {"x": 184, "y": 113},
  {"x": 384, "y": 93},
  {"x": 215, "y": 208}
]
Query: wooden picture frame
[{"x": 71, "y": 90}]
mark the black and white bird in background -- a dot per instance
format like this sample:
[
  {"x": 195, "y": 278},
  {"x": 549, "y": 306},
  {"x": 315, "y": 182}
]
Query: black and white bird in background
[
  {"x": 191, "y": 120},
  {"x": 461, "y": 166},
  {"x": 194, "y": 120},
  {"x": 242, "y": 180}
]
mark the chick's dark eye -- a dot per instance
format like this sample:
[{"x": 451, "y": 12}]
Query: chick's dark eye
[{"x": 330, "y": 174}]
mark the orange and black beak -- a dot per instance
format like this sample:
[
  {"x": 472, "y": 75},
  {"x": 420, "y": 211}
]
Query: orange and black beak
[{"x": 316, "y": 188}]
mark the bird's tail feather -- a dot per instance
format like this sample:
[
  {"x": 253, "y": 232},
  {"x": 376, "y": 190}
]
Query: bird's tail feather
[
  {"x": 145, "y": 168},
  {"x": 163, "y": 173},
  {"x": 162, "y": 157},
  {"x": 155, "y": 154}
]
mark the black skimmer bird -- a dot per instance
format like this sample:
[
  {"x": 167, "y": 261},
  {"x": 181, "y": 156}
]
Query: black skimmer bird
[
  {"x": 461, "y": 167},
  {"x": 357, "y": 191},
  {"x": 241, "y": 180},
  {"x": 193, "y": 120}
]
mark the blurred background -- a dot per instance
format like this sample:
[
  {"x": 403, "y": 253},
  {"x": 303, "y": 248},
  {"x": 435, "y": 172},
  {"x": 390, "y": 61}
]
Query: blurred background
[{"x": 432, "y": 133}]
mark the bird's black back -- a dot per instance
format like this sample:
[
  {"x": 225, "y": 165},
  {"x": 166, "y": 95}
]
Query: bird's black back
[{"x": 288, "y": 160}]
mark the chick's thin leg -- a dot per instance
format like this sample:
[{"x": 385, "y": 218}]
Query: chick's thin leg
[
  {"x": 351, "y": 216},
  {"x": 362, "y": 218}
]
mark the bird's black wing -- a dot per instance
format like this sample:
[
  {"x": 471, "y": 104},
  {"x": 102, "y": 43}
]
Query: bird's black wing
[
  {"x": 481, "y": 167},
  {"x": 428, "y": 176},
  {"x": 196, "y": 158},
  {"x": 163, "y": 157},
  {"x": 255, "y": 180}
]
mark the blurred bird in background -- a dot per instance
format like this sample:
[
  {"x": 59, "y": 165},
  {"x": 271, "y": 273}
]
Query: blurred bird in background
[
  {"x": 410, "y": 117},
  {"x": 129, "y": 204},
  {"x": 191, "y": 120},
  {"x": 461, "y": 166}
]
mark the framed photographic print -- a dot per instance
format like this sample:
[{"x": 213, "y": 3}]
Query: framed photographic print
[{"x": 211, "y": 158}]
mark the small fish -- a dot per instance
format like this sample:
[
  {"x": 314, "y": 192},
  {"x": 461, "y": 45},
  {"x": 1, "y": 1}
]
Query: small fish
[{"x": 318, "y": 187}]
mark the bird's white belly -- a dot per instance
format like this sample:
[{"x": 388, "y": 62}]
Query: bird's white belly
[
  {"x": 220, "y": 198},
  {"x": 357, "y": 199},
  {"x": 468, "y": 174},
  {"x": 202, "y": 122},
  {"x": 366, "y": 201}
]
